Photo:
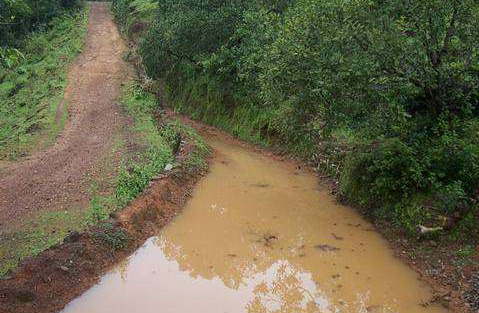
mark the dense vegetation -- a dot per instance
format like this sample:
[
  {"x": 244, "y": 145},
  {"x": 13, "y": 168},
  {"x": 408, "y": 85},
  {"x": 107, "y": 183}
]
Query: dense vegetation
[
  {"x": 382, "y": 94},
  {"x": 37, "y": 40},
  {"x": 18, "y": 18}
]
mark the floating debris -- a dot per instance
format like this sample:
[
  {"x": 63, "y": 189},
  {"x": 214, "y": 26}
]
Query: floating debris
[
  {"x": 337, "y": 237},
  {"x": 325, "y": 247}
]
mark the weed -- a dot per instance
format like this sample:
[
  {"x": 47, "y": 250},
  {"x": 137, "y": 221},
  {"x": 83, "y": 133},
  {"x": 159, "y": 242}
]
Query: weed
[
  {"x": 31, "y": 93},
  {"x": 116, "y": 238},
  {"x": 35, "y": 235},
  {"x": 98, "y": 209},
  {"x": 466, "y": 251},
  {"x": 156, "y": 147}
]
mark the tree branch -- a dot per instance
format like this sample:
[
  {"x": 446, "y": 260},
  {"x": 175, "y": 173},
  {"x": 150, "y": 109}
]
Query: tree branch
[{"x": 450, "y": 31}]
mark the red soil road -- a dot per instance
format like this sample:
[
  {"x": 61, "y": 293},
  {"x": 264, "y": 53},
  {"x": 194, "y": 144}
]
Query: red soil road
[{"x": 60, "y": 176}]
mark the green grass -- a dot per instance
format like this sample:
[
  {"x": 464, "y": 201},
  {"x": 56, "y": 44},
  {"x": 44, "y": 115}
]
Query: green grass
[
  {"x": 32, "y": 92},
  {"x": 140, "y": 14},
  {"x": 154, "y": 149},
  {"x": 201, "y": 103},
  {"x": 115, "y": 238},
  {"x": 36, "y": 235},
  {"x": 197, "y": 158},
  {"x": 155, "y": 145}
]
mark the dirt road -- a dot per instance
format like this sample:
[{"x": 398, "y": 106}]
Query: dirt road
[{"x": 59, "y": 176}]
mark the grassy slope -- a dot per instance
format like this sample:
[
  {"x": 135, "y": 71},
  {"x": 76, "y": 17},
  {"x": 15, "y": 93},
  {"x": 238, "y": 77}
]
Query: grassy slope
[{"x": 31, "y": 94}]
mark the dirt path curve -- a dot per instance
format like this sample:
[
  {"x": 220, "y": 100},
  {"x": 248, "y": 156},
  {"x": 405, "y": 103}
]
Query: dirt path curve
[{"x": 60, "y": 176}]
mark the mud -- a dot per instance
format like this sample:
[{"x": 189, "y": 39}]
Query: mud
[
  {"x": 60, "y": 176},
  {"x": 261, "y": 236},
  {"x": 49, "y": 281}
]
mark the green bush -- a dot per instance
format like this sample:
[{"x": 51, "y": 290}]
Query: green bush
[
  {"x": 116, "y": 238},
  {"x": 19, "y": 17},
  {"x": 399, "y": 78},
  {"x": 382, "y": 174}
]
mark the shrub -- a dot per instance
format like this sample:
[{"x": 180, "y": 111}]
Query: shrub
[
  {"x": 382, "y": 173},
  {"x": 401, "y": 76},
  {"x": 19, "y": 17}
]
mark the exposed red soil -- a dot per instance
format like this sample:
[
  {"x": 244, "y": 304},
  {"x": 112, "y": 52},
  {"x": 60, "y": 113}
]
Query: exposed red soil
[
  {"x": 49, "y": 281},
  {"x": 60, "y": 176}
]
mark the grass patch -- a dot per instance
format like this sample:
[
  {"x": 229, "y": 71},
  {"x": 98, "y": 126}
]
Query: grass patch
[
  {"x": 117, "y": 239},
  {"x": 141, "y": 13},
  {"x": 199, "y": 101},
  {"x": 36, "y": 235},
  {"x": 154, "y": 147},
  {"x": 32, "y": 92}
]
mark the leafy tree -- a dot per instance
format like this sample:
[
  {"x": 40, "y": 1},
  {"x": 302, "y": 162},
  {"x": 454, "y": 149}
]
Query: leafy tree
[
  {"x": 188, "y": 31},
  {"x": 396, "y": 82},
  {"x": 18, "y": 17},
  {"x": 13, "y": 20}
]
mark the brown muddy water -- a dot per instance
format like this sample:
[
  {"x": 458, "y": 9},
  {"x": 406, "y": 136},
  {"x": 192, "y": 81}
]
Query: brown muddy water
[{"x": 260, "y": 236}]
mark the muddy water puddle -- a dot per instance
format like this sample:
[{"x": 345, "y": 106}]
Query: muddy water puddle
[{"x": 260, "y": 236}]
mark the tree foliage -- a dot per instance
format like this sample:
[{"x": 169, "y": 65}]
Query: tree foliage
[
  {"x": 18, "y": 17},
  {"x": 396, "y": 82}
]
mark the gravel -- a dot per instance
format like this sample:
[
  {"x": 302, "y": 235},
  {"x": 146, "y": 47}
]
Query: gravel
[{"x": 472, "y": 296}]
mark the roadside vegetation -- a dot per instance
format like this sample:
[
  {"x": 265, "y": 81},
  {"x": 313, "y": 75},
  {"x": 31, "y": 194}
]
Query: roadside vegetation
[
  {"x": 155, "y": 144},
  {"x": 153, "y": 148},
  {"x": 36, "y": 45},
  {"x": 381, "y": 95},
  {"x": 33, "y": 63}
]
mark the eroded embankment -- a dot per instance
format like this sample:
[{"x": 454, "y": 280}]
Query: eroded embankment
[{"x": 47, "y": 282}]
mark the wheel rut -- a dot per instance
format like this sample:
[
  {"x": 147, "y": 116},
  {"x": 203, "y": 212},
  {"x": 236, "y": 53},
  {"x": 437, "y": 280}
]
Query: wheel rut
[{"x": 59, "y": 176}]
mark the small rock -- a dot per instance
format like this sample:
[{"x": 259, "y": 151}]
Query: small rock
[
  {"x": 73, "y": 237},
  {"x": 168, "y": 167}
]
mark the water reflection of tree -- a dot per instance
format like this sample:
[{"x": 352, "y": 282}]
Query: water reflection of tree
[
  {"x": 233, "y": 271},
  {"x": 122, "y": 268},
  {"x": 287, "y": 292},
  {"x": 279, "y": 285}
]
